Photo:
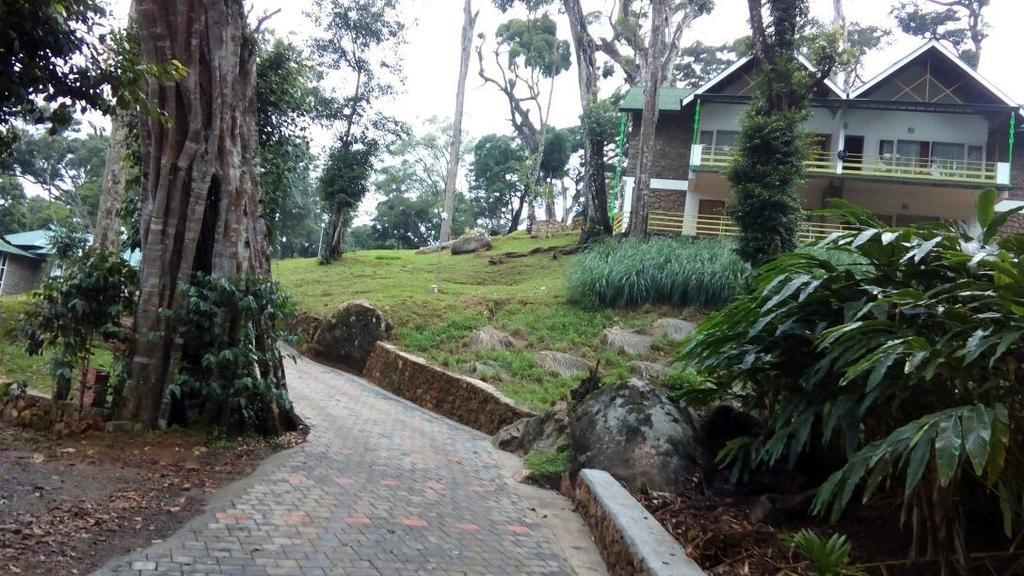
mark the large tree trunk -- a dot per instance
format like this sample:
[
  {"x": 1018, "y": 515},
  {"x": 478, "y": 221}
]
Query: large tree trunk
[
  {"x": 107, "y": 234},
  {"x": 468, "y": 24},
  {"x": 648, "y": 125},
  {"x": 594, "y": 189},
  {"x": 200, "y": 189}
]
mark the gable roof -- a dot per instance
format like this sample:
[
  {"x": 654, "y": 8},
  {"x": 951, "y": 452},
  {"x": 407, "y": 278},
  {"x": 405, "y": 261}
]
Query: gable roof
[
  {"x": 669, "y": 98},
  {"x": 10, "y": 249},
  {"x": 743, "y": 62},
  {"x": 33, "y": 238},
  {"x": 953, "y": 58}
]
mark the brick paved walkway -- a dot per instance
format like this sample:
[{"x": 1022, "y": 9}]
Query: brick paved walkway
[{"x": 382, "y": 487}]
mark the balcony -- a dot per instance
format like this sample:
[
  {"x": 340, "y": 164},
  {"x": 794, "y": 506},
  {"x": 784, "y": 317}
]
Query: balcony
[
  {"x": 718, "y": 226},
  {"x": 888, "y": 166}
]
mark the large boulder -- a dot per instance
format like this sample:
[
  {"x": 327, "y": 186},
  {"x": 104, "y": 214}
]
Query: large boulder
[
  {"x": 636, "y": 434},
  {"x": 486, "y": 370},
  {"x": 470, "y": 244},
  {"x": 434, "y": 248},
  {"x": 490, "y": 338},
  {"x": 348, "y": 335},
  {"x": 672, "y": 328},
  {"x": 627, "y": 341},
  {"x": 563, "y": 364},
  {"x": 547, "y": 432}
]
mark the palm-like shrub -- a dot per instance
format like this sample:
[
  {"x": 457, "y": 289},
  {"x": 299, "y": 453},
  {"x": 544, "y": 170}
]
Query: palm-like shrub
[
  {"x": 906, "y": 360},
  {"x": 681, "y": 271}
]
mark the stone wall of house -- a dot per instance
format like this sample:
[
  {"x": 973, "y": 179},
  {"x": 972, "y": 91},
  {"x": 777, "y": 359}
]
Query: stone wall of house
[
  {"x": 1015, "y": 225},
  {"x": 667, "y": 201},
  {"x": 22, "y": 275},
  {"x": 672, "y": 149},
  {"x": 467, "y": 400},
  {"x": 43, "y": 414}
]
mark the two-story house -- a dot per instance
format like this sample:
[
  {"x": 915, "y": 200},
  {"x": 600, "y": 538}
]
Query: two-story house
[{"x": 915, "y": 143}]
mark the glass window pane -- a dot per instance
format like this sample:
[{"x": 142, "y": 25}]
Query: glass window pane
[
  {"x": 886, "y": 148},
  {"x": 707, "y": 137},
  {"x": 910, "y": 148},
  {"x": 975, "y": 154},
  {"x": 947, "y": 151},
  {"x": 727, "y": 138}
]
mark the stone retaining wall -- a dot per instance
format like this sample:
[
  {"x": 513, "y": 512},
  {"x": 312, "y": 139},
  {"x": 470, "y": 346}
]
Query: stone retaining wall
[
  {"x": 631, "y": 541},
  {"x": 41, "y": 413},
  {"x": 467, "y": 400}
]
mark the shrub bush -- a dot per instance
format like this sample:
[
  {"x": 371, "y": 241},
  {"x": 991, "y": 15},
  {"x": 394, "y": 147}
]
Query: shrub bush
[
  {"x": 908, "y": 366},
  {"x": 680, "y": 271}
]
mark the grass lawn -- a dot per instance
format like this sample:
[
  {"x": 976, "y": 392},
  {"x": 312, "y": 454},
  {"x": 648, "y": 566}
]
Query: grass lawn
[
  {"x": 525, "y": 297},
  {"x": 16, "y": 364}
]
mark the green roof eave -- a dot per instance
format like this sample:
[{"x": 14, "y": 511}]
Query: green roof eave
[
  {"x": 9, "y": 249},
  {"x": 670, "y": 99}
]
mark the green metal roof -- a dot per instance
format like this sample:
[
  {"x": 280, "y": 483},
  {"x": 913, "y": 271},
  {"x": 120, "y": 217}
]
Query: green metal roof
[
  {"x": 5, "y": 247},
  {"x": 670, "y": 98},
  {"x": 35, "y": 240}
]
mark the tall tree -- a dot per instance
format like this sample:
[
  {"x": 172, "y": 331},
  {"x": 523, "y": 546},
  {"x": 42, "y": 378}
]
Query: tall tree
[
  {"x": 468, "y": 24},
  {"x": 200, "y": 200},
  {"x": 648, "y": 122},
  {"x": 14, "y": 206},
  {"x": 961, "y": 23},
  {"x": 358, "y": 38},
  {"x": 768, "y": 165},
  {"x": 631, "y": 49},
  {"x": 49, "y": 52},
  {"x": 698, "y": 63},
  {"x": 289, "y": 102},
  {"x": 496, "y": 185},
  {"x": 528, "y": 55}
]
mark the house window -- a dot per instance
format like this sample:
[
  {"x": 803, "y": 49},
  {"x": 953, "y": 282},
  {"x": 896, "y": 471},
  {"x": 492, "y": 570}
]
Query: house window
[
  {"x": 707, "y": 137},
  {"x": 726, "y": 138},
  {"x": 886, "y": 149},
  {"x": 3, "y": 271},
  {"x": 975, "y": 157}
]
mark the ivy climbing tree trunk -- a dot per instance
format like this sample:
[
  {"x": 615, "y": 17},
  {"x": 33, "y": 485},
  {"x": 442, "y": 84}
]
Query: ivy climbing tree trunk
[
  {"x": 200, "y": 191},
  {"x": 595, "y": 190},
  {"x": 107, "y": 235},
  {"x": 468, "y": 24}
]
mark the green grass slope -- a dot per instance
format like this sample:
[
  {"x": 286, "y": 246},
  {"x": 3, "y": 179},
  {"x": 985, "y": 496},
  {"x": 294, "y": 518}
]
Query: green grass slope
[{"x": 525, "y": 297}]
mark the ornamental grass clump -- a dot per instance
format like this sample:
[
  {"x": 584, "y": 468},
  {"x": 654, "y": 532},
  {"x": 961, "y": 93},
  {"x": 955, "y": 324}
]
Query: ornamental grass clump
[
  {"x": 680, "y": 271},
  {"x": 904, "y": 362}
]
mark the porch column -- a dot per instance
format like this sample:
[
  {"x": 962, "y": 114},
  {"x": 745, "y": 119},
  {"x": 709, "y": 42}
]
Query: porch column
[{"x": 842, "y": 140}]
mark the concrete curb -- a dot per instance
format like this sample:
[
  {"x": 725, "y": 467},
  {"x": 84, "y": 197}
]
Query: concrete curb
[{"x": 631, "y": 541}]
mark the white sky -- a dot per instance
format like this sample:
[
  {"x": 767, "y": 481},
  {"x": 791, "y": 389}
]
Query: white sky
[{"x": 431, "y": 55}]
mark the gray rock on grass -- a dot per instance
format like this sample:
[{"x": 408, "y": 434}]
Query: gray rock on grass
[
  {"x": 628, "y": 341},
  {"x": 564, "y": 364}
]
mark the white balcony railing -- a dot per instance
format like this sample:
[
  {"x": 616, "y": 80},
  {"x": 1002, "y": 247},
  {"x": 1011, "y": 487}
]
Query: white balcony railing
[{"x": 892, "y": 166}]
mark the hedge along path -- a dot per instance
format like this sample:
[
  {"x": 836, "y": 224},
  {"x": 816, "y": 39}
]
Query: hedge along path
[{"x": 381, "y": 487}]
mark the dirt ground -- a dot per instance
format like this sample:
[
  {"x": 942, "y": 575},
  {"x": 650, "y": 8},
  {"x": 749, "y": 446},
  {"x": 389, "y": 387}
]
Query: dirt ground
[
  {"x": 719, "y": 535},
  {"x": 68, "y": 505}
]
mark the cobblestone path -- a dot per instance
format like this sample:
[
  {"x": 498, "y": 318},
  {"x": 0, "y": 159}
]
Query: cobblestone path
[{"x": 382, "y": 487}]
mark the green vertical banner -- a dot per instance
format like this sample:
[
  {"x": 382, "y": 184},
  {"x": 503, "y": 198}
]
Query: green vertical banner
[
  {"x": 696, "y": 125},
  {"x": 613, "y": 198},
  {"x": 1013, "y": 137}
]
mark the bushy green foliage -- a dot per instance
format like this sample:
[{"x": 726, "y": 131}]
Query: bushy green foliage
[
  {"x": 86, "y": 302},
  {"x": 830, "y": 557},
  {"x": 678, "y": 271},
  {"x": 765, "y": 171},
  {"x": 909, "y": 366},
  {"x": 230, "y": 370}
]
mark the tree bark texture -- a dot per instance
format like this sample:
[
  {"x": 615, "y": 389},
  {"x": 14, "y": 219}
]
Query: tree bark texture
[
  {"x": 200, "y": 187},
  {"x": 468, "y": 24},
  {"x": 648, "y": 125},
  {"x": 597, "y": 224},
  {"x": 107, "y": 235}
]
